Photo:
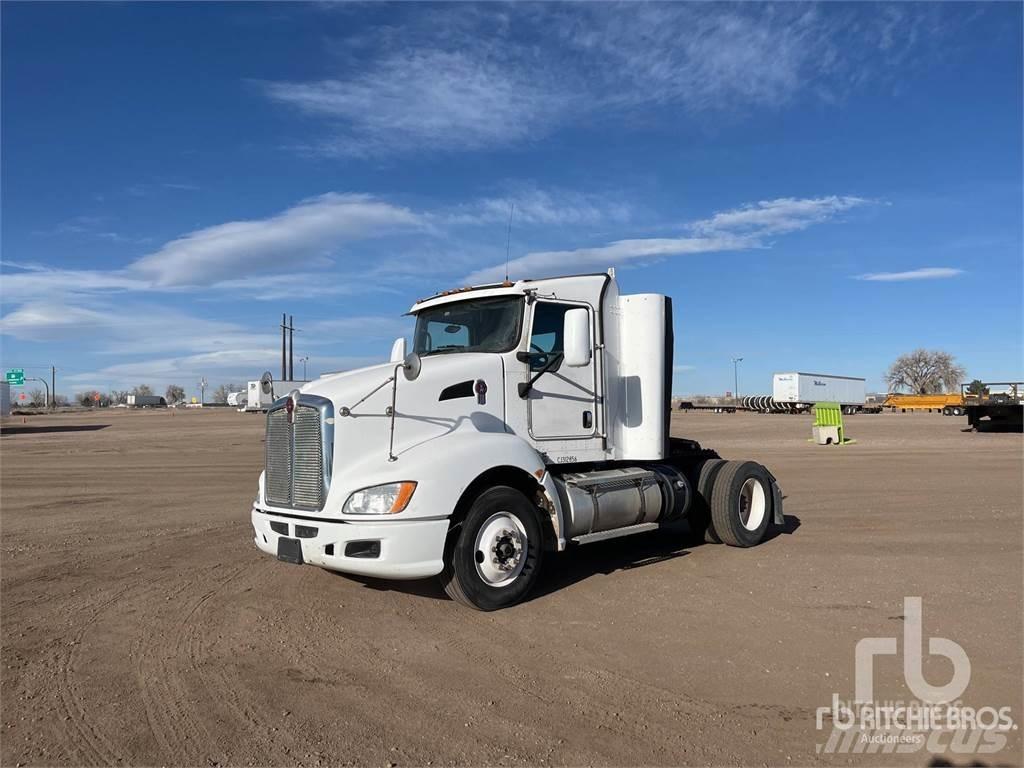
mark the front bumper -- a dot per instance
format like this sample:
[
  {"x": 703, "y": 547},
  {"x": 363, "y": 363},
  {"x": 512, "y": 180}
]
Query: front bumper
[{"x": 409, "y": 549}]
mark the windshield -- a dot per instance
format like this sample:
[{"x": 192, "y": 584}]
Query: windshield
[{"x": 476, "y": 325}]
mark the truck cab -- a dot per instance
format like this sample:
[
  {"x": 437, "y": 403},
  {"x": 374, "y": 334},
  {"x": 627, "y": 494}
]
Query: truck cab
[{"x": 527, "y": 417}]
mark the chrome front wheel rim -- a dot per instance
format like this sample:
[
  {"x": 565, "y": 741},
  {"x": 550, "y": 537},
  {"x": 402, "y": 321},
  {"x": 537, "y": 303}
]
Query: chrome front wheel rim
[{"x": 501, "y": 549}]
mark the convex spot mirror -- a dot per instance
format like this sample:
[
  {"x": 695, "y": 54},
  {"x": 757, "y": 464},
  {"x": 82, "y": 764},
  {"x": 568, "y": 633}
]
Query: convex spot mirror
[{"x": 267, "y": 383}]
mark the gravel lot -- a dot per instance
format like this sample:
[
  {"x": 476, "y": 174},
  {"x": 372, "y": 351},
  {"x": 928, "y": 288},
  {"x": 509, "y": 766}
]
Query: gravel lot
[{"x": 141, "y": 626}]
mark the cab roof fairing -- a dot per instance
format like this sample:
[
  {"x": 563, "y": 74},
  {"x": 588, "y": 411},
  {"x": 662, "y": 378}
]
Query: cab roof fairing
[{"x": 518, "y": 288}]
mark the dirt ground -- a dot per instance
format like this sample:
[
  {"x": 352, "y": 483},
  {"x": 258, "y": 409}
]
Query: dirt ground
[{"x": 141, "y": 626}]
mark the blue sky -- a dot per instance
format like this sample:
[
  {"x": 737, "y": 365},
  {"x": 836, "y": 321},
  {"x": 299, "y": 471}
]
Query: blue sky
[{"x": 819, "y": 187}]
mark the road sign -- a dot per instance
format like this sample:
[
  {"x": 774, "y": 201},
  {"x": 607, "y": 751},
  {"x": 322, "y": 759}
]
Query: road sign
[
  {"x": 23, "y": 396},
  {"x": 15, "y": 376}
]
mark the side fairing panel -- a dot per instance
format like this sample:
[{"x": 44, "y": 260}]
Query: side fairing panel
[{"x": 637, "y": 396}]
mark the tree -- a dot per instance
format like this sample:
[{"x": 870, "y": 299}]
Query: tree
[
  {"x": 142, "y": 389},
  {"x": 37, "y": 398},
  {"x": 89, "y": 399},
  {"x": 174, "y": 394},
  {"x": 118, "y": 396},
  {"x": 925, "y": 372},
  {"x": 977, "y": 387},
  {"x": 220, "y": 394}
]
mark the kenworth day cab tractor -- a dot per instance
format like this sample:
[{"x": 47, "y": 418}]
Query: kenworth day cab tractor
[{"x": 528, "y": 417}]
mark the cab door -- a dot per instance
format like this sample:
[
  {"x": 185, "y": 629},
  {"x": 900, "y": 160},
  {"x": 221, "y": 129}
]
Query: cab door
[{"x": 562, "y": 403}]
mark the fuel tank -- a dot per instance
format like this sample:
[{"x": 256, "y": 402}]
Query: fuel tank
[{"x": 615, "y": 498}]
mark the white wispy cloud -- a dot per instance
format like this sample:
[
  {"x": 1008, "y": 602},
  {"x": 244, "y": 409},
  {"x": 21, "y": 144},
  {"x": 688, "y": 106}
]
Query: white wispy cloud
[
  {"x": 236, "y": 365},
  {"x": 435, "y": 98},
  {"x": 493, "y": 76},
  {"x": 742, "y": 228},
  {"x": 772, "y": 217},
  {"x": 924, "y": 273},
  {"x": 127, "y": 328},
  {"x": 361, "y": 327},
  {"x": 171, "y": 346},
  {"x": 546, "y": 263},
  {"x": 544, "y": 207},
  {"x": 699, "y": 56},
  {"x": 263, "y": 258},
  {"x": 87, "y": 226},
  {"x": 310, "y": 231},
  {"x": 37, "y": 282},
  {"x": 44, "y": 321}
]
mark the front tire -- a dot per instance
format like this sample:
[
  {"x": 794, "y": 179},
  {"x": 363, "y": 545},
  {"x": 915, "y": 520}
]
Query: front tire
[
  {"x": 741, "y": 503},
  {"x": 497, "y": 552}
]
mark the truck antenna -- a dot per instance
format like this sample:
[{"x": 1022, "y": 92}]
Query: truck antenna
[{"x": 508, "y": 238}]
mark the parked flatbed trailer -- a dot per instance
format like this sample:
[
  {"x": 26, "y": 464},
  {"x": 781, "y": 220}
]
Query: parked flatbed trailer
[
  {"x": 998, "y": 411},
  {"x": 686, "y": 405}
]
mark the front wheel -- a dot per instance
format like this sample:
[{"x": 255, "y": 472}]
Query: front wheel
[{"x": 496, "y": 556}]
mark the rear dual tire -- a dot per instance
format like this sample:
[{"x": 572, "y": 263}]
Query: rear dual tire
[{"x": 734, "y": 503}]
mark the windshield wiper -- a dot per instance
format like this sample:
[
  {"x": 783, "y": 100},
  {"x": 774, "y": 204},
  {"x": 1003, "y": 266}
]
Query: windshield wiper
[{"x": 444, "y": 350}]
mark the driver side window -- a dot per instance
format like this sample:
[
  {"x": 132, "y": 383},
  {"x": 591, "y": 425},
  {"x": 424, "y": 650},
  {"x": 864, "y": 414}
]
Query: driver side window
[{"x": 546, "y": 333}]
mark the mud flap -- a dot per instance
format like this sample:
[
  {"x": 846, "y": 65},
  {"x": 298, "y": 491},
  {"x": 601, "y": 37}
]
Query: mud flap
[{"x": 777, "y": 515}]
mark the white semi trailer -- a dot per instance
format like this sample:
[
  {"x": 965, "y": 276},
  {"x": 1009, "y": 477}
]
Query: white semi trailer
[
  {"x": 803, "y": 390},
  {"x": 528, "y": 417}
]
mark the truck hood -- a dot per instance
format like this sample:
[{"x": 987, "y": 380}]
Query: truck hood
[
  {"x": 340, "y": 387},
  {"x": 454, "y": 392}
]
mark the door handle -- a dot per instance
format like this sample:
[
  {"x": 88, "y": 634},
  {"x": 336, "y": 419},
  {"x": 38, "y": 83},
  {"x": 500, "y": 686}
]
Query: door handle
[{"x": 588, "y": 420}]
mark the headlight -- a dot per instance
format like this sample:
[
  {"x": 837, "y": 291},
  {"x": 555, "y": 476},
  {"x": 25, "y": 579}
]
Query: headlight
[{"x": 387, "y": 499}]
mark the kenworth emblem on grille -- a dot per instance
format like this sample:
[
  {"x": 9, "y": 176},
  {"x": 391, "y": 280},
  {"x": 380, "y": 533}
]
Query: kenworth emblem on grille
[{"x": 289, "y": 406}]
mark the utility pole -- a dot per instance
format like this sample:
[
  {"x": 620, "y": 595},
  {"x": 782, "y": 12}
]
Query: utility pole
[
  {"x": 291, "y": 348},
  {"x": 284, "y": 342},
  {"x": 736, "y": 377},
  {"x": 202, "y": 391},
  {"x": 304, "y": 360},
  {"x": 53, "y": 386}
]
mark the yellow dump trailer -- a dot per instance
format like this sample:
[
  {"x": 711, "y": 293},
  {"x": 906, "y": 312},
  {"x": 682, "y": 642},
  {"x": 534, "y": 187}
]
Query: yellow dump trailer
[{"x": 948, "y": 405}]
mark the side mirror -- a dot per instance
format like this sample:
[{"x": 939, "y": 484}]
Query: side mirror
[
  {"x": 411, "y": 366},
  {"x": 576, "y": 338},
  {"x": 398, "y": 350}
]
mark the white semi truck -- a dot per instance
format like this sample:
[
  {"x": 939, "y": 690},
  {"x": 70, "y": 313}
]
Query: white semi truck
[{"x": 528, "y": 417}]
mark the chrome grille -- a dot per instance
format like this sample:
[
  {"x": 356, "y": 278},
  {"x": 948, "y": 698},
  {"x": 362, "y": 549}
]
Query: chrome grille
[
  {"x": 279, "y": 458},
  {"x": 308, "y": 471},
  {"x": 297, "y": 467}
]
